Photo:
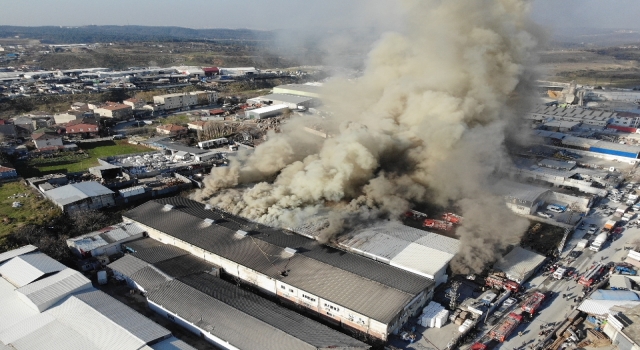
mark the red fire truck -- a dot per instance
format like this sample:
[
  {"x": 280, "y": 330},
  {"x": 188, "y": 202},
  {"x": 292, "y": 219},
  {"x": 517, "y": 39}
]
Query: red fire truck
[
  {"x": 533, "y": 302},
  {"x": 591, "y": 275},
  {"x": 502, "y": 331},
  {"x": 452, "y": 218},
  {"x": 499, "y": 282},
  {"x": 437, "y": 224}
]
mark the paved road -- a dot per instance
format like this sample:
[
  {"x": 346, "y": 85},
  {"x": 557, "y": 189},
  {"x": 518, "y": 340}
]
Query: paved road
[{"x": 559, "y": 308}]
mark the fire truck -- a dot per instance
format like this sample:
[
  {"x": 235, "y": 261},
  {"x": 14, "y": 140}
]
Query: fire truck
[
  {"x": 591, "y": 275},
  {"x": 502, "y": 331},
  {"x": 499, "y": 282},
  {"x": 533, "y": 302},
  {"x": 452, "y": 218},
  {"x": 437, "y": 224}
]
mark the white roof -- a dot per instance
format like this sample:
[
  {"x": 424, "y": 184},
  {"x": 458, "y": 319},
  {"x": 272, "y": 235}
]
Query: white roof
[
  {"x": 75, "y": 192},
  {"x": 603, "y": 307},
  {"x": 172, "y": 343},
  {"x": 519, "y": 262},
  {"x": 47, "y": 291},
  {"x": 25, "y": 269},
  {"x": 106, "y": 236},
  {"x": 12, "y": 309},
  {"x": 16, "y": 252},
  {"x": 404, "y": 247},
  {"x": 268, "y": 109},
  {"x": 520, "y": 191}
]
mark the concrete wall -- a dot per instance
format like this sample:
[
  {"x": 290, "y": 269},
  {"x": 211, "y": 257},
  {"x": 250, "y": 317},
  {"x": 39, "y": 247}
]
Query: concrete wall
[{"x": 582, "y": 203}]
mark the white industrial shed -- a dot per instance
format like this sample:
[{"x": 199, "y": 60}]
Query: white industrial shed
[
  {"x": 81, "y": 196},
  {"x": 291, "y": 101},
  {"x": 266, "y": 112},
  {"x": 421, "y": 252},
  {"x": 61, "y": 310},
  {"x": 519, "y": 264},
  {"x": 17, "y": 252},
  {"x": 308, "y": 90},
  {"x": 106, "y": 241}
]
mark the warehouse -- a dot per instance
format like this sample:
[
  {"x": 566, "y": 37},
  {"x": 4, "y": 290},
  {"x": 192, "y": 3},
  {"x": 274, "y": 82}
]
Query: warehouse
[
  {"x": 608, "y": 150},
  {"x": 353, "y": 291},
  {"x": 81, "y": 196},
  {"x": 106, "y": 241},
  {"x": 266, "y": 112},
  {"x": 424, "y": 253},
  {"x": 522, "y": 198},
  {"x": 60, "y": 310},
  {"x": 291, "y": 101},
  {"x": 519, "y": 264},
  {"x": 307, "y": 90},
  {"x": 164, "y": 273}
]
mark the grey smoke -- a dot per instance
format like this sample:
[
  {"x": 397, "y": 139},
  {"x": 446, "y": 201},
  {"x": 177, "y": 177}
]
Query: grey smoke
[{"x": 424, "y": 123}]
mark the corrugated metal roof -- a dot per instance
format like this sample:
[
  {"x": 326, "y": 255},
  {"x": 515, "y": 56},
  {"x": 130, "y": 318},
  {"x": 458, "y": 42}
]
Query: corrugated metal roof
[
  {"x": 578, "y": 142},
  {"x": 285, "y": 98},
  {"x": 46, "y": 291},
  {"x": 134, "y": 323},
  {"x": 172, "y": 343},
  {"x": 519, "y": 262},
  {"x": 16, "y": 252},
  {"x": 603, "y": 307},
  {"x": 371, "y": 288},
  {"x": 422, "y": 260},
  {"x": 128, "y": 265},
  {"x": 227, "y": 312},
  {"x": 56, "y": 335},
  {"x": 159, "y": 253},
  {"x": 149, "y": 277},
  {"x": 105, "y": 236},
  {"x": 25, "y": 269},
  {"x": 75, "y": 192},
  {"x": 12, "y": 309},
  {"x": 25, "y": 327},
  {"x": 603, "y": 294},
  {"x": 520, "y": 191},
  {"x": 616, "y": 146}
]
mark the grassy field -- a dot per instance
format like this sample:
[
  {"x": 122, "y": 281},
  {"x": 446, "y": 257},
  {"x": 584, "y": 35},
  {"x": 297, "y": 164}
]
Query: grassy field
[
  {"x": 70, "y": 164},
  {"x": 34, "y": 210}
]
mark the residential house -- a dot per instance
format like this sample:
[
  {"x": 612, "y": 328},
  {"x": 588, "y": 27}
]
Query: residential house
[
  {"x": 135, "y": 103},
  {"x": 113, "y": 110},
  {"x": 86, "y": 127},
  {"x": 197, "y": 125},
  {"x": 45, "y": 140},
  {"x": 185, "y": 100},
  {"x": 71, "y": 115},
  {"x": 171, "y": 129}
]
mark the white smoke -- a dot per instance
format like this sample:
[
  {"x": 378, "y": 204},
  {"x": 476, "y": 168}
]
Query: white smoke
[{"x": 424, "y": 123}]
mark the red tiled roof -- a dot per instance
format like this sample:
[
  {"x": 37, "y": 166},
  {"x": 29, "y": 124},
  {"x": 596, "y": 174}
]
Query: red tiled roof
[
  {"x": 44, "y": 136},
  {"x": 4, "y": 169}
]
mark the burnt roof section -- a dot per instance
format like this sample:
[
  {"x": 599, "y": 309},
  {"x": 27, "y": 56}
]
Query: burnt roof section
[{"x": 363, "y": 285}]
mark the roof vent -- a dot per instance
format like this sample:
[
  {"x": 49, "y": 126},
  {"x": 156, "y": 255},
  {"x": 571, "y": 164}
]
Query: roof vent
[
  {"x": 167, "y": 207},
  {"x": 208, "y": 221},
  {"x": 207, "y": 207},
  {"x": 290, "y": 251},
  {"x": 241, "y": 234}
]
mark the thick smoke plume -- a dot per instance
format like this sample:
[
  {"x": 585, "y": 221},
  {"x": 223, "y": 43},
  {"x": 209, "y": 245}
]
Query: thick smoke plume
[{"x": 425, "y": 123}]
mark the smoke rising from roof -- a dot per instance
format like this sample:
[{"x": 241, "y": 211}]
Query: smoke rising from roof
[{"x": 424, "y": 123}]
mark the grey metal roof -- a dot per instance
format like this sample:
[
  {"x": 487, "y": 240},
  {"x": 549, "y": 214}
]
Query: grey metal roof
[
  {"x": 122, "y": 315},
  {"x": 25, "y": 269},
  {"x": 365, "y": 286},
  {"x": 519, "y": 262},
  {"x": 175, "y": 146},
  {"x": 75, "y": 192},
  {"x": 159, "y": 253},
  {"x": 128, "y": 265},
  {"x": 47, "y": 291},
  {"x": 105, "y": 236},
  {"x": 16, "y": 252},
  {"x": 520, "y": 191},
  {"x": 227, "y": 311},
  {"x": 172, "y": 343},
  {"x": 149, "y": 277},
  {"x": 286, "y": 98}
]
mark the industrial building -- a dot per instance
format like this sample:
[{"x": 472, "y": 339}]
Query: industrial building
[
  {"x": 164, "y": 272},
  {"x": 291, "y": 101},
  {"x": 519, "y": 264},
  {"x": 45, "y": 305},
  {"x": 347, "y": 289},
  {"x": 106, "y": 241},
  {"x": 307, "y": 90},
  {"x": 424, "y": 253},
  {"x": 81, "y": 196},
  {"x": 522, "y": 198},
  {"x": 265, "y": 112},
  {"x": 611, "y": 149},
  {"x": 185, "y": 100},
  {"x": 587, "y": 117}
]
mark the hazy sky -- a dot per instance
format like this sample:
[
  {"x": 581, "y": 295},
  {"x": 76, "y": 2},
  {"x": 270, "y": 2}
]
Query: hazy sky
[{"x": 283, "y": 14}]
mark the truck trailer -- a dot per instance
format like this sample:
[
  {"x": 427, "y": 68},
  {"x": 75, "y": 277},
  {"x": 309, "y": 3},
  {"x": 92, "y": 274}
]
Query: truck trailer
[{"x": 502, "y": 331}]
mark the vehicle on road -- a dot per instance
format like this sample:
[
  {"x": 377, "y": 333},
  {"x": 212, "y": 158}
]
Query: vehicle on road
[
  {"x": 592, "y": 275},
  {"x": 499, "y": 282},
  {"x": 555, "y": 208},
  {"x": 509, "y": 301},
  {"x": 599, "y": 241},
  {"x": 544, "y": 215},
  {"x": 502, "y": 331},
  {"x": 533, "y": 302},
  {"x": 582, "y": 244},
  {"x": 625, "y": 270},
  {"x": 559, "y": 273},
  {"x": 592, "y": 230}
]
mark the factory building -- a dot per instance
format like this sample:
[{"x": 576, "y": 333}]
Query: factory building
[
  {"x": 611, "y": 150},
  {"x": 343, "y": 288},
  {"x": 291, "y": 101},
  {"x": 164, "y": 271},
  {"x": 81, "y": 196},
  {"x": 423, "y": 253},
  {"x": 307, "y": 90},
  {"x": 45, "y": 305},
  {"x": 266, "y": 112},
  {"x": 519, "y": 264},
  {"x": 522, "y": 198}
]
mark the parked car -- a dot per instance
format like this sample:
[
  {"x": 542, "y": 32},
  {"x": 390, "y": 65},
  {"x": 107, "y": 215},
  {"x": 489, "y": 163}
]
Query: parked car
[{"x": 544, "y": 215}]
